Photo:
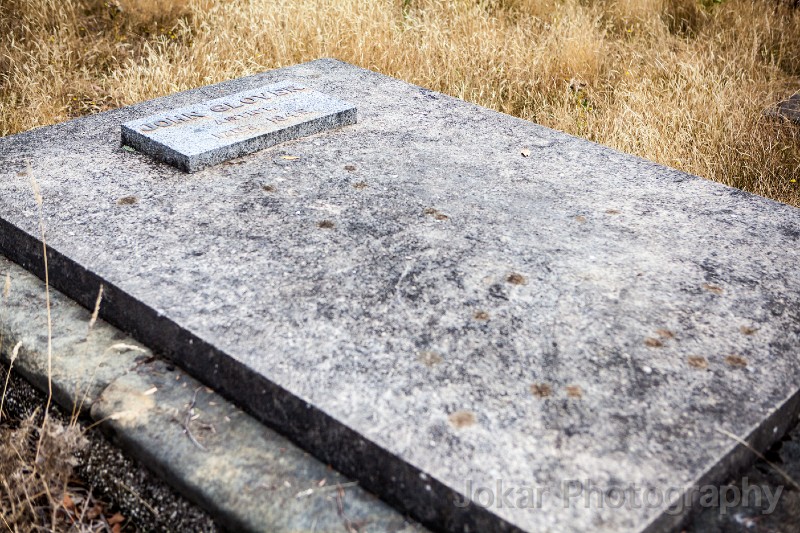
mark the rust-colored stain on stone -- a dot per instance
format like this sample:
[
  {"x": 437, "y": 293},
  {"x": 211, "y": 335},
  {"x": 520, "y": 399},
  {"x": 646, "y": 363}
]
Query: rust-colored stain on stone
[{"x": 429, "y": 358}]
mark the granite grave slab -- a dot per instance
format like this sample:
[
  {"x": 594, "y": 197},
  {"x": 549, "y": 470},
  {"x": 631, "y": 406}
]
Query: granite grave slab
[
  {"x": 444, "y": 302},
  {"x": 200, "y": 135}
]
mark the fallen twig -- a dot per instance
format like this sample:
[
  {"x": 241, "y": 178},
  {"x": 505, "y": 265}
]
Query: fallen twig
[
  {"x": 135, "y": 495},
  {"x": 309, "y": 492},
  {"x": 778, "y": 469},
  {"x": 188, "y": 419}
]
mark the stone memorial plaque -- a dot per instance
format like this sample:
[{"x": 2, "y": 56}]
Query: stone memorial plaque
[
  {"x": 201, "y": 135},
  {"x": 492, "y": 325}
]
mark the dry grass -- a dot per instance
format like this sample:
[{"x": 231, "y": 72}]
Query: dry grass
[
  {"x": 35, "y": 491},
  {"x": 38, "y": 453},
  {"x": 38, "y": 487},
  {"x": 676, "y": 81}
]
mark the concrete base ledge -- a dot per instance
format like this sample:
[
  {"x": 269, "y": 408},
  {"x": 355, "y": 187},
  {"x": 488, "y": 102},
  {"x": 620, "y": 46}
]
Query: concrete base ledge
[{"x": 245, "y": 475}]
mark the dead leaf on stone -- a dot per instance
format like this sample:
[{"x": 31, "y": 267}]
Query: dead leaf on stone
[
  {"x": 665, "y": 334},
  {"x": 541, "y": 390},
  {"x": 127, "y": 200},
  {"x": 653, "y": 343},
  {"x": 712, "y": 288},
  {"x": 516, "y": 279},
  {"x": 697, "y": 362},
  {"x": 736, "y": 361},
  {"x": 122, "y": 347},
  {"x": 462, "y": 419},
  {"x": 438, "y": 215},
  {"x": 481, "y": 315},
  {"x": 574, "y": 391}
]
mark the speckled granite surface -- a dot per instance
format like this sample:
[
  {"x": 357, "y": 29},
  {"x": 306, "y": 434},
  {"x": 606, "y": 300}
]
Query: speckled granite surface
[
  {"x": 441, "y": 300},
  {"x": 248, "y": 477}
]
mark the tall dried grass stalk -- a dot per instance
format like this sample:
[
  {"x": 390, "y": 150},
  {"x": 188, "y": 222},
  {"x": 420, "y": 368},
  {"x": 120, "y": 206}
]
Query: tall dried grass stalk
[
  {"x": 4, "y": 296},
  {"x": 78, "y": 407},
  {"x": 37, "y": 194},
  {"x": 11, "y": 360}
]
